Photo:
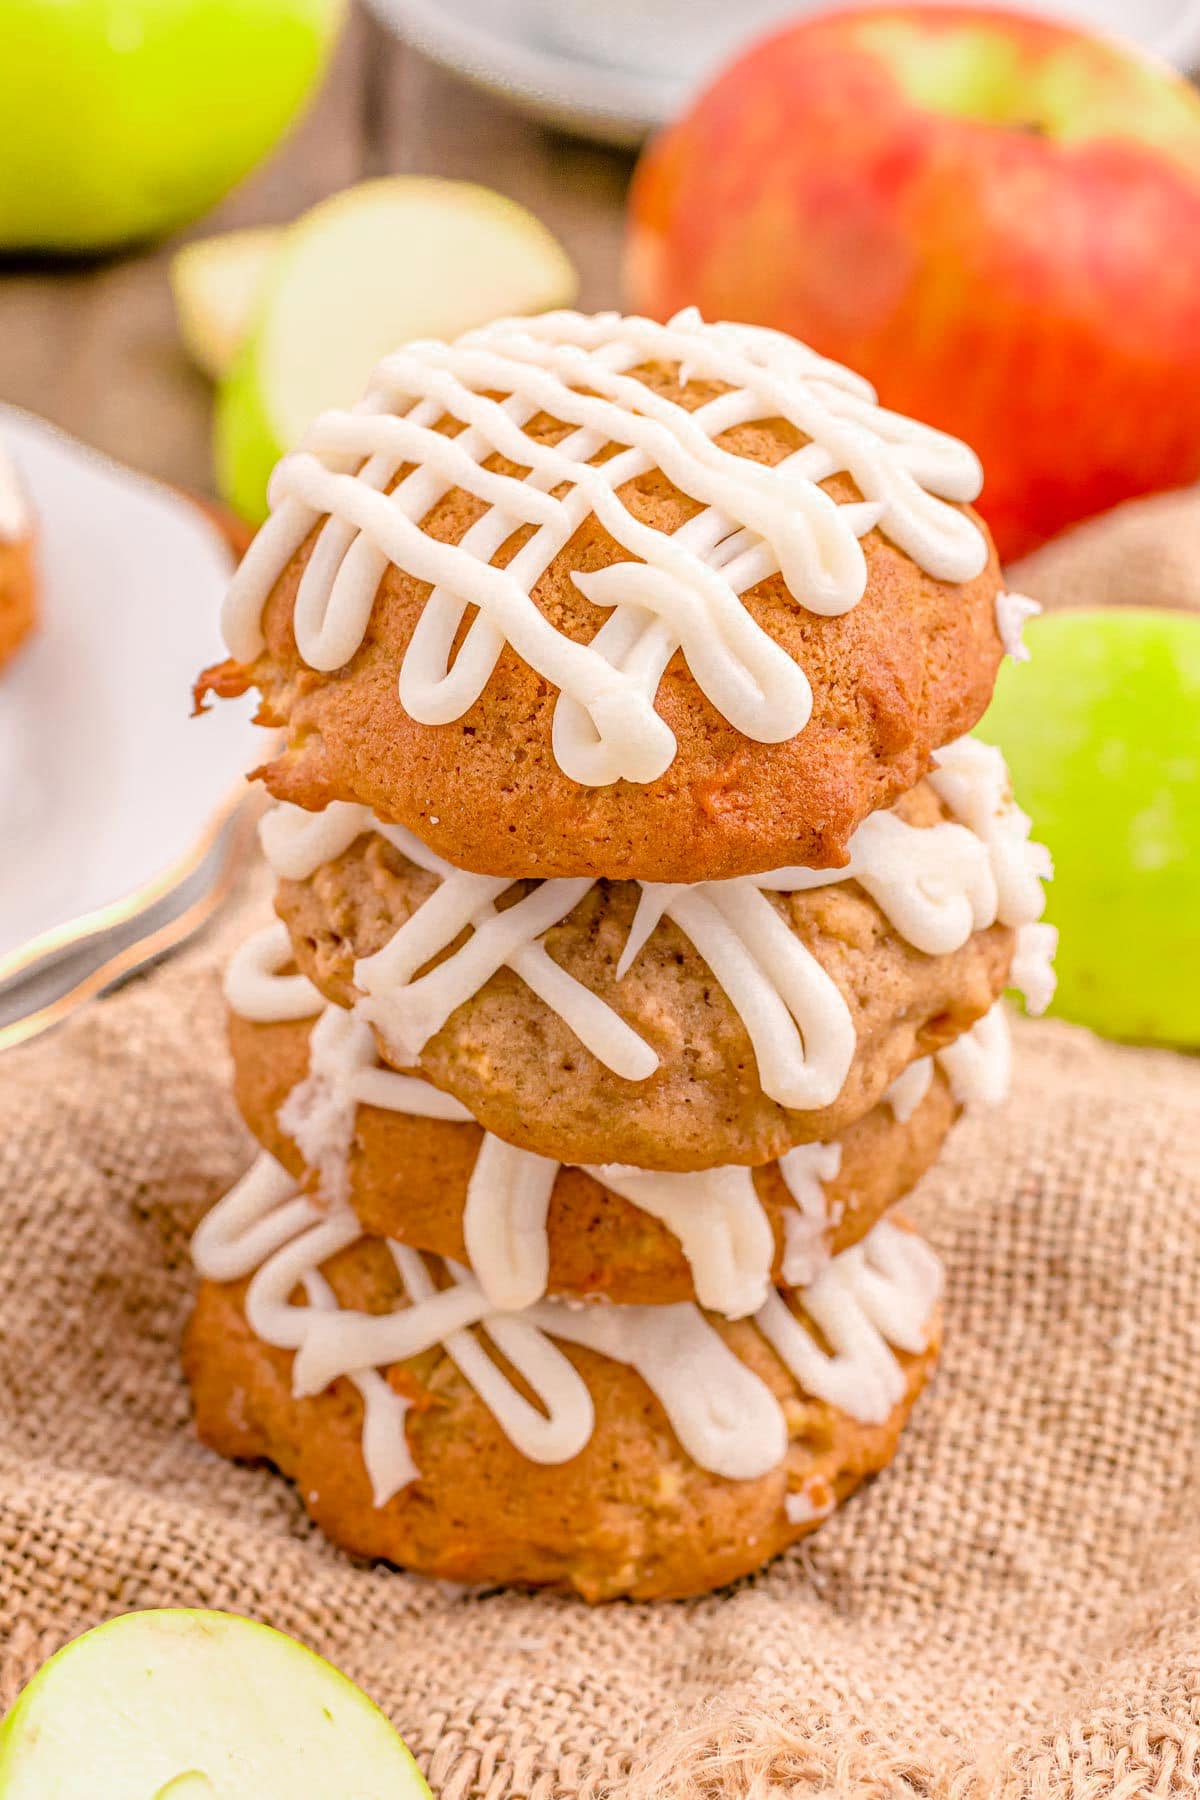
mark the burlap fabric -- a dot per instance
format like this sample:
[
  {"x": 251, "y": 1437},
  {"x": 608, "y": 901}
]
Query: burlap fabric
[
  {"x": 1012, "y": 1610},
  {"x": 1144, "y": 553}
]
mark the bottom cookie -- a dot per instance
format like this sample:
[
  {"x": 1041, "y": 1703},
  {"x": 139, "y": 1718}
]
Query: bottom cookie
[{"x": 650, "y": 1452}]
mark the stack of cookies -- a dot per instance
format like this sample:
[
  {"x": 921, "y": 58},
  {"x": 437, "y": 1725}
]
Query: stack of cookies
[{"x": 644, "y": 913}]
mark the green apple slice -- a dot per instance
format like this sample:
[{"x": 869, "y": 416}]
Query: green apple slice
[
  {"x": 399, "y": 258},
  {"x": 218, "y": 283},
  {"x": 1101, "y": 732},
  {"x": 181, "y": 1705}
]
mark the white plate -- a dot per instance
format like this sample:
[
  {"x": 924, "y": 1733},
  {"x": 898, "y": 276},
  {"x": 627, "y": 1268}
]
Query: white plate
[
  {"x": 489, "y": 42},
  {"x": 533, "y": 52},
  {"x": 56, "y": 987},
  {"x": 111, "y": 796}
]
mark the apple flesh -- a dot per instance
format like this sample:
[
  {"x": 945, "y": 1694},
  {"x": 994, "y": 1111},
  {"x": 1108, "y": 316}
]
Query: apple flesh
[
  {"x": 180, "y": 1705},
  {"x": 1101, "y": 732},
  {"x": 386, "y": 261},
  {"x": 122, "y": 119},
  {"x": 994, "y": 218},
  {"x": 218, "y": 283}
]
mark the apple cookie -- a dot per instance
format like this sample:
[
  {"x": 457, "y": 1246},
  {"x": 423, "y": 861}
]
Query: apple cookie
[
  {"x": 614, "y": 599},
  {"x": 678, "y": 1027},
  {"x": 18, "y": 581},
  {"x": 413, "y": 1171},
  {"x": 669, "y": 1450}
]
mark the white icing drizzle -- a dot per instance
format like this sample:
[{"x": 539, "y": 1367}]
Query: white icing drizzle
[
  {"x": 257, "y": 1226},
  {"x": 805, "y": 1245},
  {"x": 909, "y": 1089},
  {"x": 1032, "y": 969},
  {"x": 319, "y": 1112},
  {"x": 343, "y": 1071},
  {"x": 296, "y": 843},
  {"x": 678, "y": 591},
  {"x": 504, "y": 1222},
  {"x": 936, "y": 884},
  {"x": 878, "y": 1294},
  {"x": 971, "y": 779},
  {"x": 867, "y": 1302},
  {"x": 1013, "y": 612},
  {"x": 257, "y": 1217},
  {"x": 256, "y": 989},
  {"x": 726, "y": 1419},
  {"x": 14, "y": 509},
  {"x": 409, "y": 1009},
  {"x": 720, "y": 1223},
  {"x": 978, "y": 1066},
  {"x": 560, "y": 1425}
]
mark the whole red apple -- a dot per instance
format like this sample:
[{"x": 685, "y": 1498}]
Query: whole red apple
[{"x": 994, "y": 218}]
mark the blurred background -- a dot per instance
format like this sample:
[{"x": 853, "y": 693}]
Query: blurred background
[
  {"x": 413, "y": 87},
  {"x": 96, "y": 347},
  {"x": 215, "y": 215}
]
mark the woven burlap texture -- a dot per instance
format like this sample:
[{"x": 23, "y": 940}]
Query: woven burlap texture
[
  {"x": 1011, "y": 1610},
  {"x": 1144, "y": 553}
]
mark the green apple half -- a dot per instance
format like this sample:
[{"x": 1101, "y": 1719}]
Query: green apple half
[
  {"x": 1101, "y": 731},
  {"x": 181, "y": 1705},
  {"x": 121, "y": 119},
  {"x": 389, "y": 260},
  {"x": 218, "y": 283}
]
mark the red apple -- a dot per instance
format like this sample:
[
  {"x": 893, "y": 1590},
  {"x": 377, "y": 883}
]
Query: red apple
[{"x": 994, "y": 218}]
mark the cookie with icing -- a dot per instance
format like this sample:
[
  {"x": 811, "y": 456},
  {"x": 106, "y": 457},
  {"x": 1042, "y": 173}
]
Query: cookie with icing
[
  {"x": 665, "y": 1451},
  {"x": 668, "y": 1027},
  {"x": 529, "y": 1226},
  {"x": 597, "y": 597},
  {"x": 18, "y": 578},
  {"x": 520, "y": 1068}
]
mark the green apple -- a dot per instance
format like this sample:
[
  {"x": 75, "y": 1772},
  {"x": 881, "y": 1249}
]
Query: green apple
[
  {"x": 121, "y": 119},
  {"x": 182, "y": 1705},
  {"x": 389, "y": 260},
  {"x": 217, "y": 283},
  {"x": 1101, "y": 730}
]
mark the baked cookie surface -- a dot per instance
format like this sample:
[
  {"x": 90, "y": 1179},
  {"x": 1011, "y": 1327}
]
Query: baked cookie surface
[{"x": 896, "y": 654}]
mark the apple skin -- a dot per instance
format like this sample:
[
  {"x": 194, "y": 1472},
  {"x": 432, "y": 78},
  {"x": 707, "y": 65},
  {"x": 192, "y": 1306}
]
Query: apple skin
[
  {"x": 218, "y": 284},
  {"x": 385, "y": 261},
  {"x": 994, "y": 218},
  {"x": 1101, "y": 733},
  {"x": 122, "y": 119}
]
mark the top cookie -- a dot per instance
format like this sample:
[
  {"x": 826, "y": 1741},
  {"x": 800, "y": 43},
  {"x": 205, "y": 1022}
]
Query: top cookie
[{"x": 596, "y": 596}]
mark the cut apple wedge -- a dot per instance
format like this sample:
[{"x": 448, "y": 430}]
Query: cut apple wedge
[
  {"x": 218, "y": 283},
  {"x": 1101, "y": 733},
  {"x": 399, "y": 258},
  {"x": 182, "y": 1705}
]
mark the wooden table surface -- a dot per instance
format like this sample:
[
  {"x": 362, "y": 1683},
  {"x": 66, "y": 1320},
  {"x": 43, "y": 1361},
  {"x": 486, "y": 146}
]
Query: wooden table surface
[{"x": 94, "y": 347}]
